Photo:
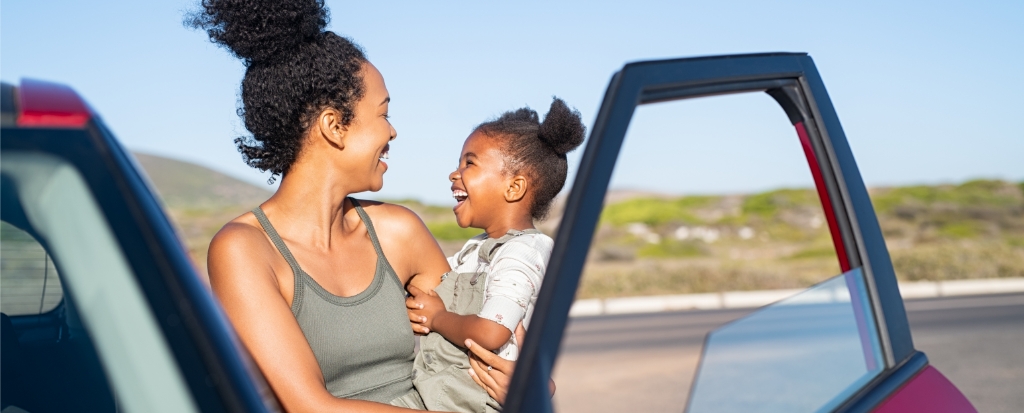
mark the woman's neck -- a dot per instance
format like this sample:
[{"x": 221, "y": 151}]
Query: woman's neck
[{"x": 310, "y": 203}]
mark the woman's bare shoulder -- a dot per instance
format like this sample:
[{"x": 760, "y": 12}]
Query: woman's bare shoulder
[
  {"x": 243, "y": 231},
  {"x": 239, "y": 247},
  {"x": 394, "y": 220}
]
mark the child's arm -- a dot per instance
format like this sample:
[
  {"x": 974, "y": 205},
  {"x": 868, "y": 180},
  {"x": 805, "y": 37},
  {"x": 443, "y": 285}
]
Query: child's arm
[{"x": 454, "y": 327}]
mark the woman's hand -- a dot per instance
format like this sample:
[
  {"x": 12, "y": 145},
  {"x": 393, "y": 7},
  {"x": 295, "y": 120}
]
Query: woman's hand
[
  {"x": 491, "y": 372},
  {"x": 495, "y": 379}
]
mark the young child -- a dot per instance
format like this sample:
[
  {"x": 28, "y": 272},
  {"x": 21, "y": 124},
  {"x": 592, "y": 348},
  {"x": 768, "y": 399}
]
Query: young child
[{"x": 510, "y": 170}]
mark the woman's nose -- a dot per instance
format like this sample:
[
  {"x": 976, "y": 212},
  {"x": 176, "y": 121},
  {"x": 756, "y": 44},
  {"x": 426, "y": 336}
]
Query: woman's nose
[{"x": 453, "y": 176}]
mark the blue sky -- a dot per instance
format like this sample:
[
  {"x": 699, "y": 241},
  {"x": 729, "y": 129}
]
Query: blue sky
[{"x": 928, "y": 92}]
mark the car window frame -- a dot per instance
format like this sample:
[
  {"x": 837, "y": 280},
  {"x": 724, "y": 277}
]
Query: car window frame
[
  {"x": 219, "y": 373},
  {"x": 793, "y": 80}
]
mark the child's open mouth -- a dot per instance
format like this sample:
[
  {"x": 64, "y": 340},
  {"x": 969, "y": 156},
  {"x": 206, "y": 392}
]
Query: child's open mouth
[
  {"x": 460, "y": 196},
  {"x": 384, "y": 153}
]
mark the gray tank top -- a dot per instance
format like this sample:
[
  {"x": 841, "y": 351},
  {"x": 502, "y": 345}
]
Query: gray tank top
[{"x": 363, "y": 343}]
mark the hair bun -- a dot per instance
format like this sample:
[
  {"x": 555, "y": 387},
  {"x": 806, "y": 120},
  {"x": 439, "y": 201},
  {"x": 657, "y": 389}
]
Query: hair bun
[
  {"x": 260, "y": 30},
  {"x": 562, "y": 128}
]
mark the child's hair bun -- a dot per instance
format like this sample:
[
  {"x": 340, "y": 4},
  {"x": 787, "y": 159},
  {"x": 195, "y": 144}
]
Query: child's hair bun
[
  {"x": 260, "y": 30},
  {"x": 562, "y": 128}
]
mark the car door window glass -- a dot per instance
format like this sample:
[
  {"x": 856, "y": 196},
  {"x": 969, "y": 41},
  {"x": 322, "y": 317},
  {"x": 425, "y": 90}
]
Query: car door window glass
[
  {"x": 732, "y": 203},
  {"x": 29, "y": 280},
  {"x": 711, "y": 207},
  {"x": 807, "y": 353}
]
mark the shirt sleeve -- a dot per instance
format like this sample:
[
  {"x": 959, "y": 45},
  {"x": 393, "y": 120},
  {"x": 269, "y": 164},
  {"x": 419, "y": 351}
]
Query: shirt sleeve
[{"x": 512, "y": 283}]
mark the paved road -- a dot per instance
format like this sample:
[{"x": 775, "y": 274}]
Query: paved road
[{"x": 645, "y": 363}]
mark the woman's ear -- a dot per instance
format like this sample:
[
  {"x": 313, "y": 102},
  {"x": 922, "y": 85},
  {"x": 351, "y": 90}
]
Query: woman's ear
[
  {"x": 329, "y": 127},
  {"x": 517, "y": 188}
]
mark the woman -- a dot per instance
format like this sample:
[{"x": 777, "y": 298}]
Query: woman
[{"x": 312, "y": 280}]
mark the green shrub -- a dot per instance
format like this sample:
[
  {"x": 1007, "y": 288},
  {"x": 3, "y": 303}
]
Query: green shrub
[
  {"x": 451, "y": 231},
  {"x": 962, "y": 229},
  {"x": 767, "y": 204},
  {"x": 653, "y": 211},
  {"x": 971, "y": 193},
  {"x": 672, "y": 249}
]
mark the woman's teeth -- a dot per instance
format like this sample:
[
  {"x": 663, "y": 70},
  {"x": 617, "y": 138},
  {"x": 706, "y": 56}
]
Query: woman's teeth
[{"x": 460, "y": 195}]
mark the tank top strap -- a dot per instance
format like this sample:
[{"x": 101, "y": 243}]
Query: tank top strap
[
  {"x": 276, "y": 239},
  {"x": 369, "y": 226}
]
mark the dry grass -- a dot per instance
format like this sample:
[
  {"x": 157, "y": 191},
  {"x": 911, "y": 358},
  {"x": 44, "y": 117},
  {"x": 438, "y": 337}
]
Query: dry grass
[
  {"x": 683, "y": 276},
  {"x": 972, "y": 230},
  {"x": 959, "y": 260}
]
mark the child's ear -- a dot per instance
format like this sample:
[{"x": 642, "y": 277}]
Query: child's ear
[
  {"x": 329, "y": 128},
  {"x": 517, "y": 187}
]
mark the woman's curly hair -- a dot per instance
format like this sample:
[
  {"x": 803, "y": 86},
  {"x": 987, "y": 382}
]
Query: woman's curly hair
[
  {"x": 537, "y": 149},
  {"x": 294, "y": 70}
]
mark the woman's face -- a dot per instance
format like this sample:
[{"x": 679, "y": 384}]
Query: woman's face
[{"x": 368, "y": 134}]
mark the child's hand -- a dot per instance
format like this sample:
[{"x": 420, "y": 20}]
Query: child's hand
[
  {"x": 423, "y": 307},
  {"x": 415, "y": 320}
]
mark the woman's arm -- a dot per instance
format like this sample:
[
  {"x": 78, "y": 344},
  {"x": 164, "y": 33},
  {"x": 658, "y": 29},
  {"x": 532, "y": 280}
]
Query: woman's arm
[
  {"x": 247, "y": 289},
  {"x": 408, "y": 244}
]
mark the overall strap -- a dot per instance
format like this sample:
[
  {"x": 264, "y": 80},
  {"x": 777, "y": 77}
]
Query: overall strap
[
  {"x": 276, "y": 239},
  {"x": 369, "y": 227},
  {"x": 490, "y": 246},
  {"x": 461, "y": 256}
]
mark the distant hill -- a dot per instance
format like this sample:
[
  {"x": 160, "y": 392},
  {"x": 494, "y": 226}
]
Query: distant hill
[{"x": 187, "y": 185}]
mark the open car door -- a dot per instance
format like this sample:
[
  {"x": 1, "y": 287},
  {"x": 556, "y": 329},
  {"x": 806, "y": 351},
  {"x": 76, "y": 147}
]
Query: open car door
[{"x": 854, "y": 352}]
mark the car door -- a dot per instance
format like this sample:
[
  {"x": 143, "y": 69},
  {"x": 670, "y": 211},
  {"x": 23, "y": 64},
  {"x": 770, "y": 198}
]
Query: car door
[
  {"x": 120, "y": 321},
  {"x": 861, "y": 307}
]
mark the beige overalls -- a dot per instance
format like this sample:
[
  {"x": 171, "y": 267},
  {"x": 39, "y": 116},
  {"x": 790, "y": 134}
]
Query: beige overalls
[{"x": 441, "y": 369}]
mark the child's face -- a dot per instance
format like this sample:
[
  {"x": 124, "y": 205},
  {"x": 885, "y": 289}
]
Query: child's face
[{"x": 479, "y": 184}]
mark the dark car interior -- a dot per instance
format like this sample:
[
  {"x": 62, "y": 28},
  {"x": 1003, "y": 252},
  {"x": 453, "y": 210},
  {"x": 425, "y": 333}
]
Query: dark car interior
[{"x": 48, "y": 361}]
